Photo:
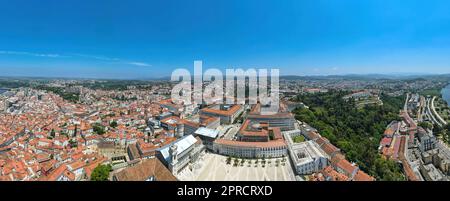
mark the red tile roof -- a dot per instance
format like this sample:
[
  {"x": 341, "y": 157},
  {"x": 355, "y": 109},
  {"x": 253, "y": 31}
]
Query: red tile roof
[
  {"x": 143, "y": 171},
  {"x": 228, "y": 112},
  {"x": 362, "y": 176}
]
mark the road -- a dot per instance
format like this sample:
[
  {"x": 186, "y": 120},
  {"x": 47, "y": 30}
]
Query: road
[
  {"x": 435, "y": 113},
  {"x": 421, "y": 110},
  {"x": 229, "y": 131},
  {"x": 430, "y": 113},
  {"x": 405, "y": 107}
]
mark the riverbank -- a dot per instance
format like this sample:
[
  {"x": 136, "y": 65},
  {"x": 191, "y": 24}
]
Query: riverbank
[
  {"x": 442, "y": 104},
  {"x": 445, "y": 92}
]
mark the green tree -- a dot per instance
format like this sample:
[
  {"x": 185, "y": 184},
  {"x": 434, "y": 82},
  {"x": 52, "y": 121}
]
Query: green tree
[
  {"x": 52, "y": 133},
  {"x": 101, "y": 173},
  {"x": 357, "y": 131},
  {"x": 299, "y": 139},
  {"x": 113, "y": 124},
  {"x": 229, "y": 160},
  {"x": 236, "y": 162},
  {"x": 425, "y": 125},
  {"x": 99, "y": 129},
  {"x": 73, "y": 143}
]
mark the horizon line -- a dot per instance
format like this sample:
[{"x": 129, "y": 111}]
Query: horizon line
[{"x": 397, "y": 74}]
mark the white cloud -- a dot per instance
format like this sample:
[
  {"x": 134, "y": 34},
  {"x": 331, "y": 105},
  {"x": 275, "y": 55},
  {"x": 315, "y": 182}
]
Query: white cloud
[
  {"x": 31, "y": 54},
  {"x": 140, "y": 64},
  {"x": 100, "y": 58},
  {"x": 97, "y": 57}
]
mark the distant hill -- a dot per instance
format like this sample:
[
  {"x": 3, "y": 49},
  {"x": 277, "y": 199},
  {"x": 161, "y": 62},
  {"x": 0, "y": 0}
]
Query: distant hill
[
  {"x": 403, "y": 76},
  {"x": 406, "y": 76}
]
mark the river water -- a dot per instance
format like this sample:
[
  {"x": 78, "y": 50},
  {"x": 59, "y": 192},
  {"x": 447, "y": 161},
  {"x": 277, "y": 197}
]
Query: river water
[{"x": 446, "y": 94}]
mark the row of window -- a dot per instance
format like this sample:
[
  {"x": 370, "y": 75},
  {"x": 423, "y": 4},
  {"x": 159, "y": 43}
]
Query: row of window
[{"x": 252, "y": 152}]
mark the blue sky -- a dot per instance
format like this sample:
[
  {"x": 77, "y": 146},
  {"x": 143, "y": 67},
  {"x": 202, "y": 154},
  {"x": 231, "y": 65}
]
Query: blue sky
[{"x": 144, "y": 39}]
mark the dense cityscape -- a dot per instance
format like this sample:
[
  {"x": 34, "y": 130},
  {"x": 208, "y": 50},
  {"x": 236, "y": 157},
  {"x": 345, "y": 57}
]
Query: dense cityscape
[{"x": 329, "y": 128}]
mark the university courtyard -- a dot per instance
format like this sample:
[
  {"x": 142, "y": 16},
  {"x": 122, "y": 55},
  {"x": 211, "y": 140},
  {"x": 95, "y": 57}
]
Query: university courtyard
[{"x": 214, "y": 167}]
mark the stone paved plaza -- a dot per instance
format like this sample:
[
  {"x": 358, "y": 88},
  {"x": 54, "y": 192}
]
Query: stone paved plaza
[{"x": 213, "y": 167}]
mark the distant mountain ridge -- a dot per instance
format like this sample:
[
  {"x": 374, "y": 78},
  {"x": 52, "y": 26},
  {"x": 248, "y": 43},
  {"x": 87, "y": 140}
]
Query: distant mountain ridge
[{"x": 282, "y": 77}]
